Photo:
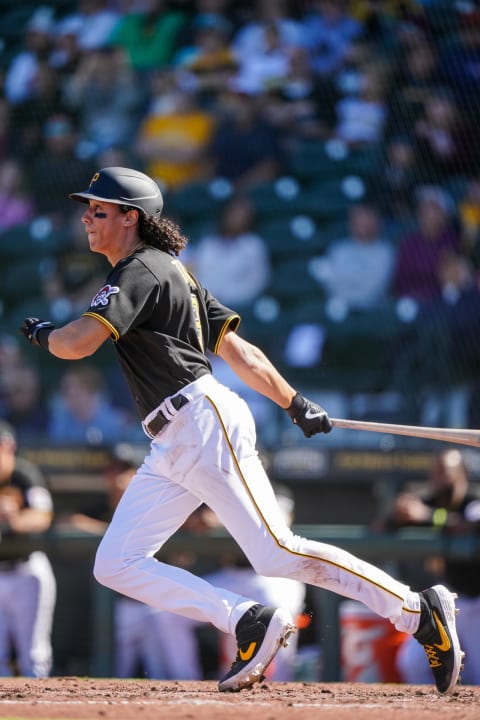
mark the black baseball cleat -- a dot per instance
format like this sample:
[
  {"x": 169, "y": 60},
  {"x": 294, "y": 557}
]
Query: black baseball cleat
[
  {"x": 260, "y": 632},
  {"x": 438, "y": 635}
]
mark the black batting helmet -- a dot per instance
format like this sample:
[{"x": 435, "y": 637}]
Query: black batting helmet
[{"x": 123, "y": 186}]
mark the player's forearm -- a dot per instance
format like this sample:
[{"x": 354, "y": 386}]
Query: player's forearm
[
  {"x": 255, "y": 369},
  {"x": 30, "y": 520},
  {"x": 265, "y": 379},
  {"x": 65, "y": 343},
  {"x": 78, "y": 339}
]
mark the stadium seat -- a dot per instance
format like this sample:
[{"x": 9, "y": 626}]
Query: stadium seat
[
  {"x": 35, "y": 239},
  {"x": 263, "y": 324},
  {"x": 357, "y": 349},
  {"x": 329, "y": 200},
  {"x": 24, "y": 278},
  {"x": 292, "y": 280},
  {"x": 314, "y": 161},
  {"x": 197, "y": 201},
  {"x": 294, "y": 235},
  {"x": 275, "y": 198}
]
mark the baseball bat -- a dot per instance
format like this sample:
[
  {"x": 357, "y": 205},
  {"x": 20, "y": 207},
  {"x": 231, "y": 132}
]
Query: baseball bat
[{"x": 450, "y": 435}]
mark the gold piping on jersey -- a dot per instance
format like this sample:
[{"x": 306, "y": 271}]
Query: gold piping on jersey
[
  {"x": 270, "y": 531},
  {"x": 229, "y": 321},
  {"x": 114, "y": 331},
  {"x": 198, "y": 322},
  {"x": 194, "y": 291},
  {"x": 186, "y": 275}
]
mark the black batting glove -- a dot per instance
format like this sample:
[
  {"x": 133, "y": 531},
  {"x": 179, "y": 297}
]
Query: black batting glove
[
  {"x": 310, "y": 417},
  {"x": 37, "y": 331}
]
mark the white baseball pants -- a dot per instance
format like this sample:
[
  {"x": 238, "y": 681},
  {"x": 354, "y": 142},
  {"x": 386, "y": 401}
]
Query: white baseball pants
[
  {"x": 27, "y": 604},
  {"x": 206, "y": 453}
]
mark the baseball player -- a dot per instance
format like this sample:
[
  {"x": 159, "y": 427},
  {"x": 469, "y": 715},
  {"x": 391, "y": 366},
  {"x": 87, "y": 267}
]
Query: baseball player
[
  {"x": 162, "y": 321},
  {"x": 27, "y": 582}
]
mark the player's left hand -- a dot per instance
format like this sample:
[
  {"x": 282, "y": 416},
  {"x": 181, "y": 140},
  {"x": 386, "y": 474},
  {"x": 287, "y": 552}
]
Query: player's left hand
[
  {"x": 31, "y": 328},
  {"x": 310, "y": 417}
]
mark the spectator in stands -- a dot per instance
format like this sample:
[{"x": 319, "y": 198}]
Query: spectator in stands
[
  {"x": 106, "y": 97},
  {"x": 379, "y": 21},
  {"x": 397, "y": 180},
  {"x": 22, "y": 73},
  {"x": 449, "y": 504},
  {"x": 17, "y": 205},
  {"x": 58, "y": 165},
  {"x": 330, "y": 33},
  {"x": 66, "y": 52},
  {"x": 93, "y": 21},
  {"x": 461, "y": 308},
  {"x": 469, "y": 217},
  {"x": 460, "y": 60},
  {"x": 236, "y": 247},
  {"x": 453, "y": 322},
  {"x": 174, "y": 136},
  {"x": 302, "y": 106},
  {"x": 11, "y": 359},
  {"x": 263, "y": 46},
  {"x": 208, "y": 62},
  {"x": 361, "y": 116},
  {"x": 30, "y": 116},
  {"x": 25, "y": 406},
  {"x": 250, "y": 38},
  {"x": 246, "y": 147},
  {"x": 415, "y": 73},
  {"x": 444, "y": 145},
  {"x": 438, "y": 350},
  {"x": 149, "y": 35},
  {"x": 416, "y": 272},
  {"x": 82, "y": 412},
  {"x": 356, "y": 270}
]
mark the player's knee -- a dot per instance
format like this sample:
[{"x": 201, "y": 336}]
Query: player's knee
[
  {"x": 105, "y": 570},
  {"x": 272, "y": 563}
]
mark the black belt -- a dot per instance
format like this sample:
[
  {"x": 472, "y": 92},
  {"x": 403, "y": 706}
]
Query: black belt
[{"x": 159, "y": 421}]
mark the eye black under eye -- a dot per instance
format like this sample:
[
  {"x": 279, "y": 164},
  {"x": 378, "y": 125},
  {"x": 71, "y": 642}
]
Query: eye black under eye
[{"x": 99, "y": 214}]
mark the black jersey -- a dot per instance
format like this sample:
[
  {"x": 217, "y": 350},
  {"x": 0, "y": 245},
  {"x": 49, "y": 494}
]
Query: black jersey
[
  {"x": 29, "y": 489},
  {"x": 162, "y": 322}
]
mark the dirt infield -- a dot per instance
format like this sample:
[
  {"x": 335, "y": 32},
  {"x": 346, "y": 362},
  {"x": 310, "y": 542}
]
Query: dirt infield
[{"x": 87, "y": 698}]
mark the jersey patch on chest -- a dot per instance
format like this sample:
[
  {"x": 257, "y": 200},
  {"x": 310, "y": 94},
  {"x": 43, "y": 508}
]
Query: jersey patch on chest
[{"x": 101, "y": 298}]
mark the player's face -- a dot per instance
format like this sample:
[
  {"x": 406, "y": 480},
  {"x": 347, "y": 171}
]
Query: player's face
[{"x": 104, "y": 225}]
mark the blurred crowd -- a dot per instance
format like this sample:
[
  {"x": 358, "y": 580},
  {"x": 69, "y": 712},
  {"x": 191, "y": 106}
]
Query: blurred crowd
[{"x": 321, "y": 155}]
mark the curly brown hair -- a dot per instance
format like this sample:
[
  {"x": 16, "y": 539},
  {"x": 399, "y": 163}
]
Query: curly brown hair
[{"x": 162, "y": 233}]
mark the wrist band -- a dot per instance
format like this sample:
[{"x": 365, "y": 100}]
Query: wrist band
[
  {"x": 42, "y": 337},
  {"x": 295, "y": 405}
]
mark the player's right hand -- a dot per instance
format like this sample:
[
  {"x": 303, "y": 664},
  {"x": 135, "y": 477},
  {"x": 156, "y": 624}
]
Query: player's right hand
[
  {"x": 310, "y": 417},
  {"x": 31, "y": 328}
]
